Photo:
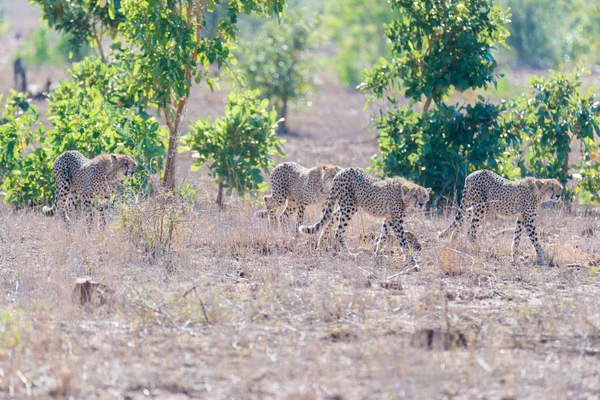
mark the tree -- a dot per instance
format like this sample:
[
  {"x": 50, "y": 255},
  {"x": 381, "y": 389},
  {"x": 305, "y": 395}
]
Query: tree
[
  {"x": 358, "y": 30},
  {"x": 91, "y": 112},
  {"x": 552, "y": 117},
  {"x": 439, "y": 46},
  {"x": 164, "y": 47},
  {"x": 548, "y": 34},
  {"x": 23, "y": 162},
  {"x": 86, "y": 21},
  {"x": 169, "y": 45},
  {"x": 278, "y": 62},
  {"x": 239, "y": 144}
]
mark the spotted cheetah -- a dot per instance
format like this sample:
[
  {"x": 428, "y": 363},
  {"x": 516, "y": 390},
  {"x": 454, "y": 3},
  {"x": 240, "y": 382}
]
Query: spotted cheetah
[
  {"x": 388, "y": 198},
  {"x": 299, "y": 186},
  {"x": 78, "y": 177},
  {"x": 486, "y": 191}
]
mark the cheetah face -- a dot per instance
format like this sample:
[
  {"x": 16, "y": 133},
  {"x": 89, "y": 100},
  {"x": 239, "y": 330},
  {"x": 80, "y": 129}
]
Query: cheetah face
[
  {"x": 328, "y": 172},
  {"x": 548, "y": 189},
  {"x": 416, "y": 197},
  {"x": 125, "y": 164}
]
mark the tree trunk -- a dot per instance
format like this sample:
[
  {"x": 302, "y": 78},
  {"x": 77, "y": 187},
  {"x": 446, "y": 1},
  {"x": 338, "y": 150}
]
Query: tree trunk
[
  {"x": 220, "y": 196},
  {"x": 427, "y": 105},
  {"x": 170, "y": 166},
  {"x": 283, "y": 124}
]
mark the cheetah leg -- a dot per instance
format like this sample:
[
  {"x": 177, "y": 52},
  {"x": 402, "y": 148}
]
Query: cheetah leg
[
  {"x": 88, "y": 211},
  {"x": 465, "y": 207},
  {"x": 517, "y": 237},
  {"x": 385, "y": 232},
  {"x": 62, "y": 198},
  {"x": 530, "y": 227},
  {"x": 335, "y": 219},
  {"x": 300, "y": 218},
  {"x": 291, "y": 208},
  {"x": 454, "y": 226},
  {"x": 398, "y": 227},
  {"x": 273, "y": 202},
  {"x": 479, "y": 213},
  {"x": 102, "y": 208},
  {"x": 346, "y": 213}
]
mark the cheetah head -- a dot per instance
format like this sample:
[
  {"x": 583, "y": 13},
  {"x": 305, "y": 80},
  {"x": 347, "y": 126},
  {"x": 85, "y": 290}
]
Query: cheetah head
[
  {"x": 415, "y": 196},
  {"x": 548, "y": 189},
  {"x": 327, "y": 174},
  {"x": 124, "y": 165}
]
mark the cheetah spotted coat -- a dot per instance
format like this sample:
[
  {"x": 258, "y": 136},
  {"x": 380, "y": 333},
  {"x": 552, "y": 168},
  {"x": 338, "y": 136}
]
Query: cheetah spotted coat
[
  {"x": 486, "y": 191},
  {"x": 297, "y": 187},
  {"x": 79, "y": 178},
  {"x": 388, "y": 198}
]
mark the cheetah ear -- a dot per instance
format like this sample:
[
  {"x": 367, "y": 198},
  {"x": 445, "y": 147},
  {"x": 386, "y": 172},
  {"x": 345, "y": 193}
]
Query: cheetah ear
[
  {"x": 113, "y": 157},
  {"x": 428, "y": 190},
  {"x": 406, "y": 191},
  {"x": 539, "y": 184}
]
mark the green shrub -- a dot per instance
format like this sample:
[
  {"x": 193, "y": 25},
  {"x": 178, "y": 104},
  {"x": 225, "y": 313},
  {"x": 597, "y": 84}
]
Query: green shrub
[
  {"x": 440, "y": 148},
  {"x": 552, "y": 117},
  {"x": 42, "y": 47},
  {"x": 358, "y": 29},
  {"x": 238, "y": 145},
  {"x": 278, "y": 62},
  {"x": 438, "y": 47},
  {"x": 20, "y": 129},
  {"x": 91, "y": 112}
]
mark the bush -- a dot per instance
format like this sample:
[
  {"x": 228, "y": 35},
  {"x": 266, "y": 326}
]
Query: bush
[
  {"x": 42, "y": 47},
  {"x": 358, "y": 30},
  {"x": 20, "y": 129},
  {"x": 94, "y": 112},
  {"x": 278, "y": 63},
  {"x": 239, "y": 144},
  {"x": 554, "y": 115},
  {"x": 91, "y": 112},
  {"x": 440, "y": 148},
  {"x": 438, "y": 47},
  {"x": 550, "y": 33}
]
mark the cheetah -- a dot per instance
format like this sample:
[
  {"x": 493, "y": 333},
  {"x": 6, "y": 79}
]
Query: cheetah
[
  {"x": 388, "y": 198},
  {"x": 299, "y": 186},
  {"x": 486, "y": 191},
  {"x": 78, "y": 177}
]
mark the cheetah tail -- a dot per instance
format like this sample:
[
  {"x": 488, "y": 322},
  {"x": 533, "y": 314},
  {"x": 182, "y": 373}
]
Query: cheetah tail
[
  {"x": 262, "y": 214},
  {"x": 49, "y": 211},
  {"x": 327, "y": 211}
]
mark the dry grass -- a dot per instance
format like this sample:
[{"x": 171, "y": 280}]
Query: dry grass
[
  {"x": 234, "y": 310},
  {"x": 209, "y": 304}
]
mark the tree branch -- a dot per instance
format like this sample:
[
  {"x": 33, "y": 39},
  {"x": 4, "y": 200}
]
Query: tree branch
[{"x": 98, "y": 39}]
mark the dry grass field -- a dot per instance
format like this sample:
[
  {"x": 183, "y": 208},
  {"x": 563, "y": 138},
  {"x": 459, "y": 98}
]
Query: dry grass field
[
  {"x": 233, "y": 310},
  {"x": 221, "y": 307},
  {"x": 201, "y": 303}
]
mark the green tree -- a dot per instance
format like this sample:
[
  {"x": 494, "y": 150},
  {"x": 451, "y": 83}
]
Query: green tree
[
  {"x": 21, "y": 132},
  {"x": 437, "y": 47},
  {"x": 169, "y": 46},
  {"x": 239, "y": 145},
  {"x": 44, "y": 47},
  {"x": 551, "y": 33},
  {"x": 164, "y": 47},
  {"x": 358, "y": 30},
  {"x": 278, "y": 62},
  {"x": 554, "y": 116},
  {"x": 91, "y": 112},
  {"x": 85, "y": 21}
]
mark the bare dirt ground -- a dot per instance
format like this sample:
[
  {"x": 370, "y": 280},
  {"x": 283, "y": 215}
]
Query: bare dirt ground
[{"x": 222, "y": 307}]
